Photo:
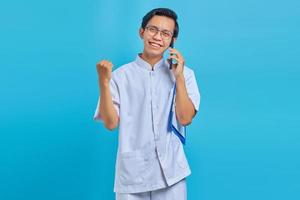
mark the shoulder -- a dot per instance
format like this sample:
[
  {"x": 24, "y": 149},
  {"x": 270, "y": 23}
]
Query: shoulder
[
  {"x": 188, "y": 72},
  {"x": 120, "y": 71}
]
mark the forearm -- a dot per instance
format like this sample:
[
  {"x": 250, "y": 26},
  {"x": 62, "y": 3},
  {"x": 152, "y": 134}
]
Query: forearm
[
  {"x": 107, "y": 110},
  {"x": 184, "y": 108}
]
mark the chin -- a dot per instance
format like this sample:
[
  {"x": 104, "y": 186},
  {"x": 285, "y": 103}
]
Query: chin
[{"x": 154, "y": 52}]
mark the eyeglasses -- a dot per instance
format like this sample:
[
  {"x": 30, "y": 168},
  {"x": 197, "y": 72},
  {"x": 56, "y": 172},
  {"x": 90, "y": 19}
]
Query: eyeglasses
[{"x": 165, "y": 34}]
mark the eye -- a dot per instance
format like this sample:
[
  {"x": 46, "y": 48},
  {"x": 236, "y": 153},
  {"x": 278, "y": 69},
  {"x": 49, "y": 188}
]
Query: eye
[
  {"x": 152, "y": 29},
  {"x": 166, "y": 34}
]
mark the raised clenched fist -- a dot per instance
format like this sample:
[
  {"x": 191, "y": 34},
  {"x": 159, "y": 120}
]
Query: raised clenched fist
[{"x": 104, "y": 69}]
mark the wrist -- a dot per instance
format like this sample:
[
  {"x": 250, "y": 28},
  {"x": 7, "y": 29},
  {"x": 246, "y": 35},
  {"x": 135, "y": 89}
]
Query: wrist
[
  {"x": 103, "y": 83},
  {"x": 179, "y": 77}
]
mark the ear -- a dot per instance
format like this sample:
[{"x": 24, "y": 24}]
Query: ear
[{"x": 141, "y": 33}]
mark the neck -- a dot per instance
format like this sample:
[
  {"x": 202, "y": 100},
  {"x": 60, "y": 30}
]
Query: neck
[{"x": 152, "y": 60}]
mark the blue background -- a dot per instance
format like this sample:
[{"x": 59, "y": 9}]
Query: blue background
[{"x": 243, "y": 144}]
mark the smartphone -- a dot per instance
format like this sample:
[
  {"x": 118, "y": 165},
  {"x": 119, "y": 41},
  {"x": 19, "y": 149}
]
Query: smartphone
[{"x": 171, "y": 60}]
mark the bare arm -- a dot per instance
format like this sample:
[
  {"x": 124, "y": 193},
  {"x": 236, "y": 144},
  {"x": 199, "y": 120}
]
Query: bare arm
[
  {"x": 107, "y": 110},
  {"x": 184, "y": 108}
]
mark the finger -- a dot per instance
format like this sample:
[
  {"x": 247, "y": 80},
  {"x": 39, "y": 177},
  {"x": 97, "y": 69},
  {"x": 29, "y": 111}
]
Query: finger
[
  {"x": 107, "y": 64},
  {"x": 173, "y": 54},
  {"x": 175, "y": 58},
  {"x": 178, "y": 61},
  {"x": 100, "y": 63},
  {"x": 173, "y": 50},
  {"x": 110, "y": 65},
  {"x": 177, "y": 53}
]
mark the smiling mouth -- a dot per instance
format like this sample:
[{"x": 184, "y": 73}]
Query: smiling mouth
[{"x": 153, "y": 44}]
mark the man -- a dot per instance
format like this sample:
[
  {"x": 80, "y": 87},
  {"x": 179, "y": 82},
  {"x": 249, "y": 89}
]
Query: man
[{"x": 140, "y": 97}]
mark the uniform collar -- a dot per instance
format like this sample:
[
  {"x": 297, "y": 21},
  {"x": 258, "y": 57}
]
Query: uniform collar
[{"x": 142, "y": 63}]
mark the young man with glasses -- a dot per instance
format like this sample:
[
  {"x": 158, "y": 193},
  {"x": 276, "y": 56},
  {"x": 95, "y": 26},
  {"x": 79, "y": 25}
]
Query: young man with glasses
[{"x": 152, "y": 103}]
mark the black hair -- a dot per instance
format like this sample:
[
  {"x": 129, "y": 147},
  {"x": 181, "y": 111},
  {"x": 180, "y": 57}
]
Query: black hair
[{"x": 161, "y": 12}]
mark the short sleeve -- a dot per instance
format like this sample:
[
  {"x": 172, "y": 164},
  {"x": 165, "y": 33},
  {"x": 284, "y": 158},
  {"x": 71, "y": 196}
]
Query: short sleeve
[
  {"x": 193, "y": 90},
  {"x": 115, "y": 98}
]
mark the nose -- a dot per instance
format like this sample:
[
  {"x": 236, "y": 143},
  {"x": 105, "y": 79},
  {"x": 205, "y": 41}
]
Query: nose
[{"x": 157, "y": 36}]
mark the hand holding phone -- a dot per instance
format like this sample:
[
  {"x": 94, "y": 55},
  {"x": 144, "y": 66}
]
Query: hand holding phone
[{"x": 176, "y": 61}]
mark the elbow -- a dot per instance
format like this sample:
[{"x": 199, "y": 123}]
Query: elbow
[
  {"x": 185, "y": 120},
  {"x": 185, "y": 115},
  {"x": 110, "y": 122},
  {"x": 111, "y": 126}
]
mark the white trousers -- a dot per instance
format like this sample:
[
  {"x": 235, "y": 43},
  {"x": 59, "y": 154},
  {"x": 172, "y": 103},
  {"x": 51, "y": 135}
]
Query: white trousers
[{"x": 174, "y": 192}]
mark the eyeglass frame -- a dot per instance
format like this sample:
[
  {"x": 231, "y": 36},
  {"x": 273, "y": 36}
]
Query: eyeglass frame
[{"x": 161, "y": 32}]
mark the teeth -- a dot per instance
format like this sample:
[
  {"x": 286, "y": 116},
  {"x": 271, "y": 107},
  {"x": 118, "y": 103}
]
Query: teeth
[{"x": 155, "y": 45}]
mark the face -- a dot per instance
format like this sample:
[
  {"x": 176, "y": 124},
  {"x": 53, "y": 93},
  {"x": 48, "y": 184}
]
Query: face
[{"x": 156, "y": 44}]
